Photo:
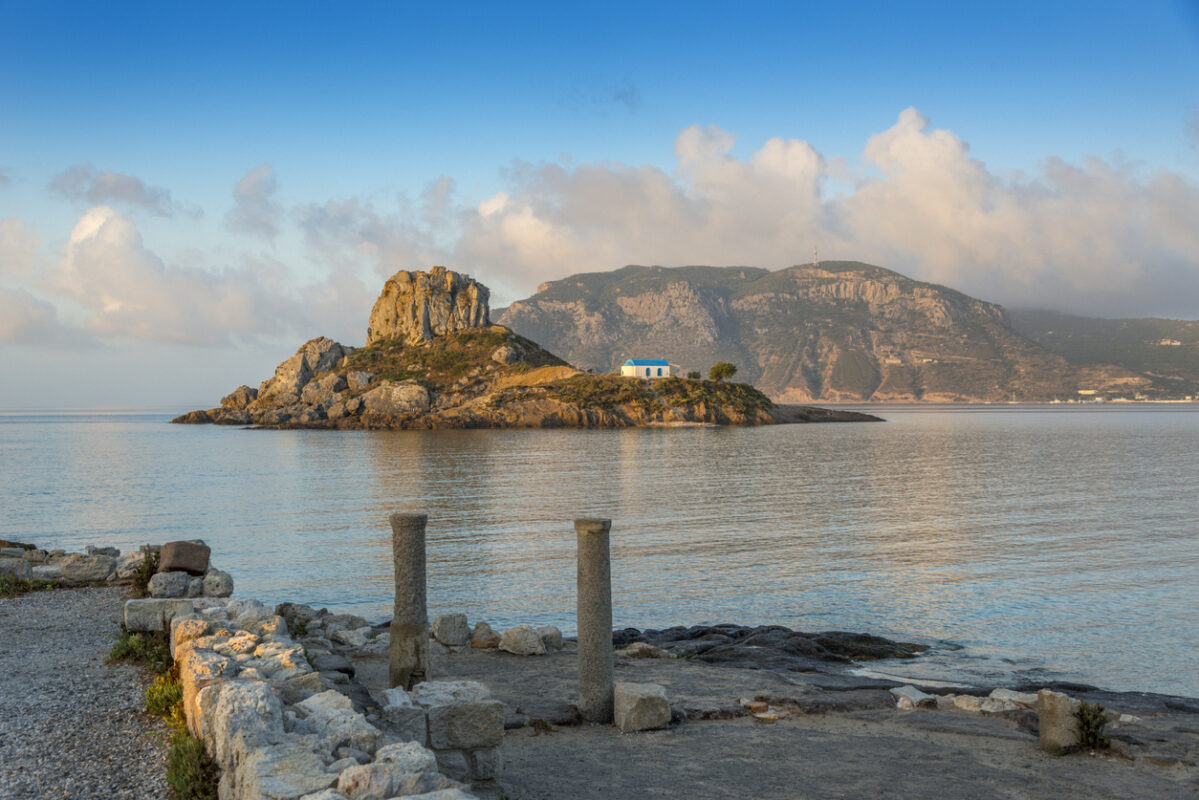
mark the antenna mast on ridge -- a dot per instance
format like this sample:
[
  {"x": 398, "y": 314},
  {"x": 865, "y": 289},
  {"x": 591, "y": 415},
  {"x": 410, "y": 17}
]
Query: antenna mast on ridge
[{"x": 815, "y": 260}]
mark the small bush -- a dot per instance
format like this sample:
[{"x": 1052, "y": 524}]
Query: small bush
[
  {"x": 145, "y": 571},
  {"x": 11, "y": 587},
  {"x": 1092, "y": 722},
  {"x": 149, "y": 650},
  {"x": 721, "y": 370},
  {"x": 191, "y": 772},
  {"x": 693, "y": 375},
  {"x": 163, "y": 696}
]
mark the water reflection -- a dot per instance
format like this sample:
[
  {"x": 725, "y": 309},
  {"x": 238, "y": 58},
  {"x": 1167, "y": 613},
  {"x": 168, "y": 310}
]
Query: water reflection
[{"x": 1048, "y": 535}]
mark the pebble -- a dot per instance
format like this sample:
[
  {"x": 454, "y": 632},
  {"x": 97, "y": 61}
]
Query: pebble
[{"x": 72, "y": 726}]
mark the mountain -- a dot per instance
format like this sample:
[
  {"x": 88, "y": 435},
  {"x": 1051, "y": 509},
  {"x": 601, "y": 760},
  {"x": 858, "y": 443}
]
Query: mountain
[
  {"x": 1166, "y": 350},
  {"x": 835, "y": 332}
]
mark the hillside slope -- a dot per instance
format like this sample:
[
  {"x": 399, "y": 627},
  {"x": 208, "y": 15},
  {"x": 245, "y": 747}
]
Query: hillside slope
[{"x": 839, "y": 331}]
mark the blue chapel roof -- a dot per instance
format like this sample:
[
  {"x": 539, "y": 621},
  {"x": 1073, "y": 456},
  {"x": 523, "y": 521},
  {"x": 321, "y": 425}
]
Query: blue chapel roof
[{"x": 647, "y": 362}]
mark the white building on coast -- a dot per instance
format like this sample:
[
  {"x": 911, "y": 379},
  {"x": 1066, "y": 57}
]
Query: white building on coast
[{"x": 652, "y": 368}]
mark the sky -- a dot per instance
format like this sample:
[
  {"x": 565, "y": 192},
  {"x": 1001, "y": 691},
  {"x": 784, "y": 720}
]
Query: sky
[{"x": 189, "y": 191}]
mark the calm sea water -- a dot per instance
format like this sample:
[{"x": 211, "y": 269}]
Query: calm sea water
[{"x": 1042, "y": 542}]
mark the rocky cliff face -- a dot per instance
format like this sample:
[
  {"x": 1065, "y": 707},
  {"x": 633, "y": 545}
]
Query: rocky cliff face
[
  {"x": 416, "y": 306},
  {"x": 843, "y": 331}
]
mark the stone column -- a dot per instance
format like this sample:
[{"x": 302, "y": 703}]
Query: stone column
[
  {"x": 410, "y": 622},
  {"x": 596, "y": 659}
]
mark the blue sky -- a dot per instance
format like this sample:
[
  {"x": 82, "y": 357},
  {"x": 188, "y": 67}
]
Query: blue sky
[{"x": 1016, "y": 151}]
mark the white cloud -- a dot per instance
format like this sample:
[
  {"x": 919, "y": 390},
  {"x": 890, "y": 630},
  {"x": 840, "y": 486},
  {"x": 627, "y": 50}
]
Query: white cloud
[
  {"x": 84, "y": 183},
  {"x": 255, "y": 210},
  {"x": 18, "y": 247},
  {"x": 25, "y": 319},
  {"x": 128, "y": 291}
]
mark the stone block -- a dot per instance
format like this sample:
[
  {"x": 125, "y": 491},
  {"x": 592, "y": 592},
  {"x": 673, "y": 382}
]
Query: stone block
[
  {"x": 441, "y": 693},
  {"x": 185, "y": 628},
  {"x": 487, "y": 764},
  {"x": 522, "y": 640},
  {"x": 36, "y": 556},
  {"x": 195, "y": 587},
  {"x": 550, "y": 637},
  {"x": 13, "y": 552},
  {"x": 189, "y": 557},
  {"x": 47, "y": 572},
  {"x": 453, "y": 764},
  {"x": 217, "y": 583},
  {"x": 466, "y": 726},
  {"x": 340, "y": 727},
  {"x": 407, "y": 723},
  {"x": 244, "y": 715},
  {"x": 451, "y": 630},
  {"x": 967, "y": 702},
  {"x": 381, "y": 780},
  {"x": 1022, "y": 699},
  {"x": 914, "y": 696},
  {"x": 1056, "y": 720},
  {"x": 483, "y": 637},
  {"x": 198, "y": 669},
  {"x": 170, "y": 584},
  {"x": 640, "y": 707},
  {"x": 15, "y": 567},
  {"x": 411, "y": 757},
  {"x": 279, "y": 771},
  {"x": 153, "y": 615},
  {"x": 127, "y": 566},
  {"x": 77, "y": 568},
  {"x": 92, "y": 550},
  {"x": 331, "y": 700}
]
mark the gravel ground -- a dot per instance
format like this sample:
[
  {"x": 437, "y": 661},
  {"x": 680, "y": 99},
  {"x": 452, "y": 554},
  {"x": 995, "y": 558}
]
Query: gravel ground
[{"x": 72, "y": 726}]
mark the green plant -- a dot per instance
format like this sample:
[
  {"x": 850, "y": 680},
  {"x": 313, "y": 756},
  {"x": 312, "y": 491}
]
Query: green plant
[
  {"x": 721, "y": 370},
  {"x": 693, "y": 375},
  {"x": 191, "y": 772},
  {"x": 145, "y": 571},
  {"x": 149, "y": 650},
  {"x": 163, "y": 696},
  {"x": 1092, "y": 722},
  {"x": 300, "y": 628},
  {"x": 11, "y": 587}
]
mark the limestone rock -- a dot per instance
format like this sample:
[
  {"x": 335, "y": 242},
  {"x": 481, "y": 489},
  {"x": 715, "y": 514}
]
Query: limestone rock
[
  {"x": 522, "y": 640},
  {"x": 403, "y": 397},
  {"x": 483, "y": 637},
  {"x": 217, "y": 583},
  {"x": 186, "y": 628},
  {"x": 47, "y": 572},
  {"x": 451, "y": 630},
  {"x": 440, "y": 693},
  {"x": 640, "y": 707},
  {"x": 358, "y": 380},
  {"x": 550, "y": 636},
  {"x": 967, "y": 702},
  {"x": 239, "y": 398},
  {"x": 411, "y": 757},
  {"x": 189, "y": 557},
  {"x": 466, "y": 726},
  {"x": 914, "y": 696},
  {"x": 127, "y": 566},
  {"x": 1056, "y": 721},
  {"x": 321, "y": 391},
  {"x": 505, "y": 354},
  {"x": 1023, "y": 699},
  {"x": 78, "y": 568},
  {"x": 92, "y": 550},
  {"x": 17, "y": 568},
  {"x": 314, "y": 357},
  {"x": 416, "y": 306},
  {"x": 153, "y": 615},
  {"x": 287, "y": 769},
  {"x": 244, "y": 713},
  {"x": 170, "y": 584}
]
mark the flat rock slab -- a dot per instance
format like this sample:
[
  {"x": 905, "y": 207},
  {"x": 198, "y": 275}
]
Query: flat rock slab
[{"x": 72, "y": 726}]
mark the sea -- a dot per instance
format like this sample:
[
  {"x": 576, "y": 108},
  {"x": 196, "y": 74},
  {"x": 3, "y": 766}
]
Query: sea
[{"x": 1022, "y": 543}]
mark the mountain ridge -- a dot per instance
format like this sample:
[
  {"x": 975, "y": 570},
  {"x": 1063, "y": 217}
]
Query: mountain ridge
[{"x": 839, "y": 331}]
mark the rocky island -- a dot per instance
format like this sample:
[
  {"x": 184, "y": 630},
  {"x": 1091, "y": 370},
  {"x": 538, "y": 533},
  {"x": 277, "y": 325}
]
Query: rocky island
[{"x": 433, "y": 360}]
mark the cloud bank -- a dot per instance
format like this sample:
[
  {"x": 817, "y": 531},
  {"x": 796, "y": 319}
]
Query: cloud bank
[
  {"x": 255, "y": 210},
  {"x": 84, "y": 183}
]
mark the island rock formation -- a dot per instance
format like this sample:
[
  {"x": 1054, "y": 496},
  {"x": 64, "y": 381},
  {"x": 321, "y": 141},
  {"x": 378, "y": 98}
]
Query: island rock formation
[
  {"x": 416, "y": 306},
  {"x": 432, "y": 360}
]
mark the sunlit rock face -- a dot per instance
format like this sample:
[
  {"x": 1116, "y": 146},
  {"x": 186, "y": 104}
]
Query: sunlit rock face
[{"x": 416, "y": 306}]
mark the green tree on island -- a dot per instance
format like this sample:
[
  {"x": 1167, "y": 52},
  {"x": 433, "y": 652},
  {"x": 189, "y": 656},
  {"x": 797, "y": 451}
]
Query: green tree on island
[
  {"x": 693, "y": 375},
  {"x": 721, "y": 370}
]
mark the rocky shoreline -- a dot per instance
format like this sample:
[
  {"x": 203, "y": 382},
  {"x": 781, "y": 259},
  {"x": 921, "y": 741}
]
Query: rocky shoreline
[{"x": 294, "y": 702}]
